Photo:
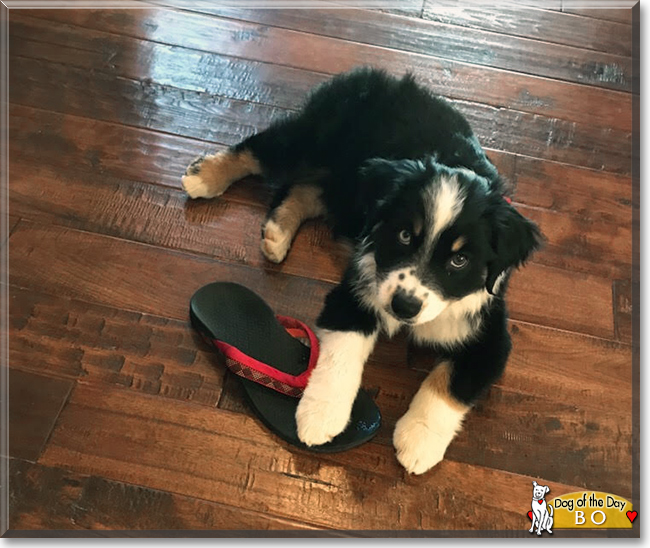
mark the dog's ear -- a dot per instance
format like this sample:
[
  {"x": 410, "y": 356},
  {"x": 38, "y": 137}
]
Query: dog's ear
[
  {"x": 535, "y": 483},
  {"x": 380, "y": 180},
  {"x": 514, "y": 238},
  {"x": 546, "y": 489}
]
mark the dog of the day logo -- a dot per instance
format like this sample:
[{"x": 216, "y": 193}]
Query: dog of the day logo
[{"x": 581, "y": 510}]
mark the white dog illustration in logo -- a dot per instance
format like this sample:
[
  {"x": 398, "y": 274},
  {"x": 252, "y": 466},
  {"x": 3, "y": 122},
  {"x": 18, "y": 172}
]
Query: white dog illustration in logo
[{"x": 542, "y": 512}]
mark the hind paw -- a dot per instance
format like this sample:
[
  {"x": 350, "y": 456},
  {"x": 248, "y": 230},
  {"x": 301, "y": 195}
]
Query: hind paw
[{"x": 275, "y": 241}]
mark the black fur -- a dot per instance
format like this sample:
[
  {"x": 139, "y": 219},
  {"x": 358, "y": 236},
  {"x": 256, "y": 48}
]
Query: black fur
[{"x": 374, "y": 143}]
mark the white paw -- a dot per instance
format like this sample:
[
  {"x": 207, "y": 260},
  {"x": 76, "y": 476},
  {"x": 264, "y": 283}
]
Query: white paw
[
  {"x": 196, "y": 187},
  {"x": 275, "y": 242},
  {"x": 418, "y": 447},
  {"x": 321, "y": 420}
]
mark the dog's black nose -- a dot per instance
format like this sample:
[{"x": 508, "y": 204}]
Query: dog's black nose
[{"x": 405, "y": 306}]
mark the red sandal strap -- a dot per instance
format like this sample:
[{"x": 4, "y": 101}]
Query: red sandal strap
[{"x": 249, "y": 368}]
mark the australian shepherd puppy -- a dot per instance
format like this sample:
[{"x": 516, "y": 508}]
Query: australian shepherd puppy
[{"x": 399, "y": 172}]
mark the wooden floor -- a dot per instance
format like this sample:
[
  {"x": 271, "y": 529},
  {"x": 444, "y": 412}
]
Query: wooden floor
[{"x": 122, "y": 419}]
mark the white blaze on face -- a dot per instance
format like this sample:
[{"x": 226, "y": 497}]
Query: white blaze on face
[{"x": 443, "y": 203}]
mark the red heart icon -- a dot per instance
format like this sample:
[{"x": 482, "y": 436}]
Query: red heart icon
[
  {"x": 540, "y": 501},
  {"x": 530, "y": 515},
  {"x": 631, "y": 516}
]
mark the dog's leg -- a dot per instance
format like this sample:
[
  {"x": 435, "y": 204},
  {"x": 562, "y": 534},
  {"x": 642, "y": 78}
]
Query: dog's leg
[
  {"x": 532, "y": 526},
  {"x": 274, "y": 149},
  {"x": 347, "y": 335},
  {"x": 302, "y": 202},
  {"x": 434, "y": 417},
  {"x": 210, "y": 176},
  {"x": 437, "y": 411}
]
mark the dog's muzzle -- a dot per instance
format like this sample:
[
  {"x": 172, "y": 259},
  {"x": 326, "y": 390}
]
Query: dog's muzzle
[{"x": 405, "y": 306}]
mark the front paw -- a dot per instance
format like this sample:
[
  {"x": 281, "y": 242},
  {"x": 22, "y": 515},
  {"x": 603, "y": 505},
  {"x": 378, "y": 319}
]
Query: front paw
[
  {"x": 321, "y": 420},
  {"x": 418, "y": 447}
]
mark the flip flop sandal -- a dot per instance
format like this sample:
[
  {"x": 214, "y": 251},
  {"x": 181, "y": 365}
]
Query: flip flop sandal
[{"x": 266, "y": 352}]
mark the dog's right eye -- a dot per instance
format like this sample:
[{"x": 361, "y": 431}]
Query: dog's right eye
[{"x": 404, "y": 237}]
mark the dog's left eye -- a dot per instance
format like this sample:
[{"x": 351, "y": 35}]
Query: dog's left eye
[
  {"x": 404, "y": 237},
  {"x": 459, "y": 261}
]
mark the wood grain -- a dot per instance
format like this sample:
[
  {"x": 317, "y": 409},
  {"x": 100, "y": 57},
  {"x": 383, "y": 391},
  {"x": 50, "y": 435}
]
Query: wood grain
[
  {"x": 573, "y": 243},
  {"x": 106, "y": 346},
  {"x": 622, "y": 296},
  {"x": 619, "y": 15},
  {"x": 586, "y": 194},
  {"x": 457, "y": 43},
  {"x": 195, "y": 114},
  {"x": 115, "y": 435},
  {"x": 150, "y": 355},
  {"x": 220, "y": 56},
  {"x": 539, "y": 24},
  {"x": 34, "y": 405},
  {"x": 109, "y": 271},
  {"x": 44, "y": 497},
  {"x": 107, "y": 109},
  {"x": 67, "y": 141},
  {"x": 580, "y": 301},
  {"x": 220, "y": 228}
]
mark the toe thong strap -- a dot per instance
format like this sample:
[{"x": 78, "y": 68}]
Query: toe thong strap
[{"x": 249, "y": 368}]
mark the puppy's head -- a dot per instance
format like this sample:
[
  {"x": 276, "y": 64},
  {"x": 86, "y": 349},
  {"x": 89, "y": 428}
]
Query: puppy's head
[
  {"x": 436, "y": 237},
  {"x": 539, "y": 491}
]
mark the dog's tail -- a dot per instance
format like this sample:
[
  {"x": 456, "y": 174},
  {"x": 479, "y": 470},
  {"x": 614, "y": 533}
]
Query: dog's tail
[{"x": 550, "y": 509}]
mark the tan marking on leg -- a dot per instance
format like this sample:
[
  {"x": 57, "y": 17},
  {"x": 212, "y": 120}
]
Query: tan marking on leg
[
  {"x": 434, "y": 417},
  {"x": 460, "y": 242},
  {"x": 438, "y": 383},
  {"x": 303, "y": 202},
  {"x": 213, "y": 175}
]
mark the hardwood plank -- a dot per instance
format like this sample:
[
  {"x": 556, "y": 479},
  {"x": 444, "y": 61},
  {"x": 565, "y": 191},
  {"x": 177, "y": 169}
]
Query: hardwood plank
[
  {"x": 229, "y": 231},
  {"x": 175, "y": 66},
  {"x": 34, "y": 405},
  {"x": 107, "y": 346},
  {"x": 411, "y": 8},
  {"x": 195, "y": 114},
  {"x": 253, "y": 471},
  {"x": 579, "y": 369},
  {"x": 622, "y": 290},
  {"x": 153, "y": 157},
  {"x": 131, "y": 56},
  {"x": 579, "y": 245},
  {"x": 218, "y": 228},
  {"x": 176, "y": 304},
  {"x": 44, "y": 497},
  {"x": 551, "y": 139},
  {"x": 296, "y": 298},
  {"x": 608, "y": 14},
  {"x": 539, "y": 24},
  {"x": 447, "y": 42},
  {"x": 528, "y": 407},
  {"x": 583, "y": 301},
  {"x": 586, "y": 194},
  {"x": 104, "y": 148},
  {"x": 108, "y": 271},
  {"x": 120, "y": 100}
]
